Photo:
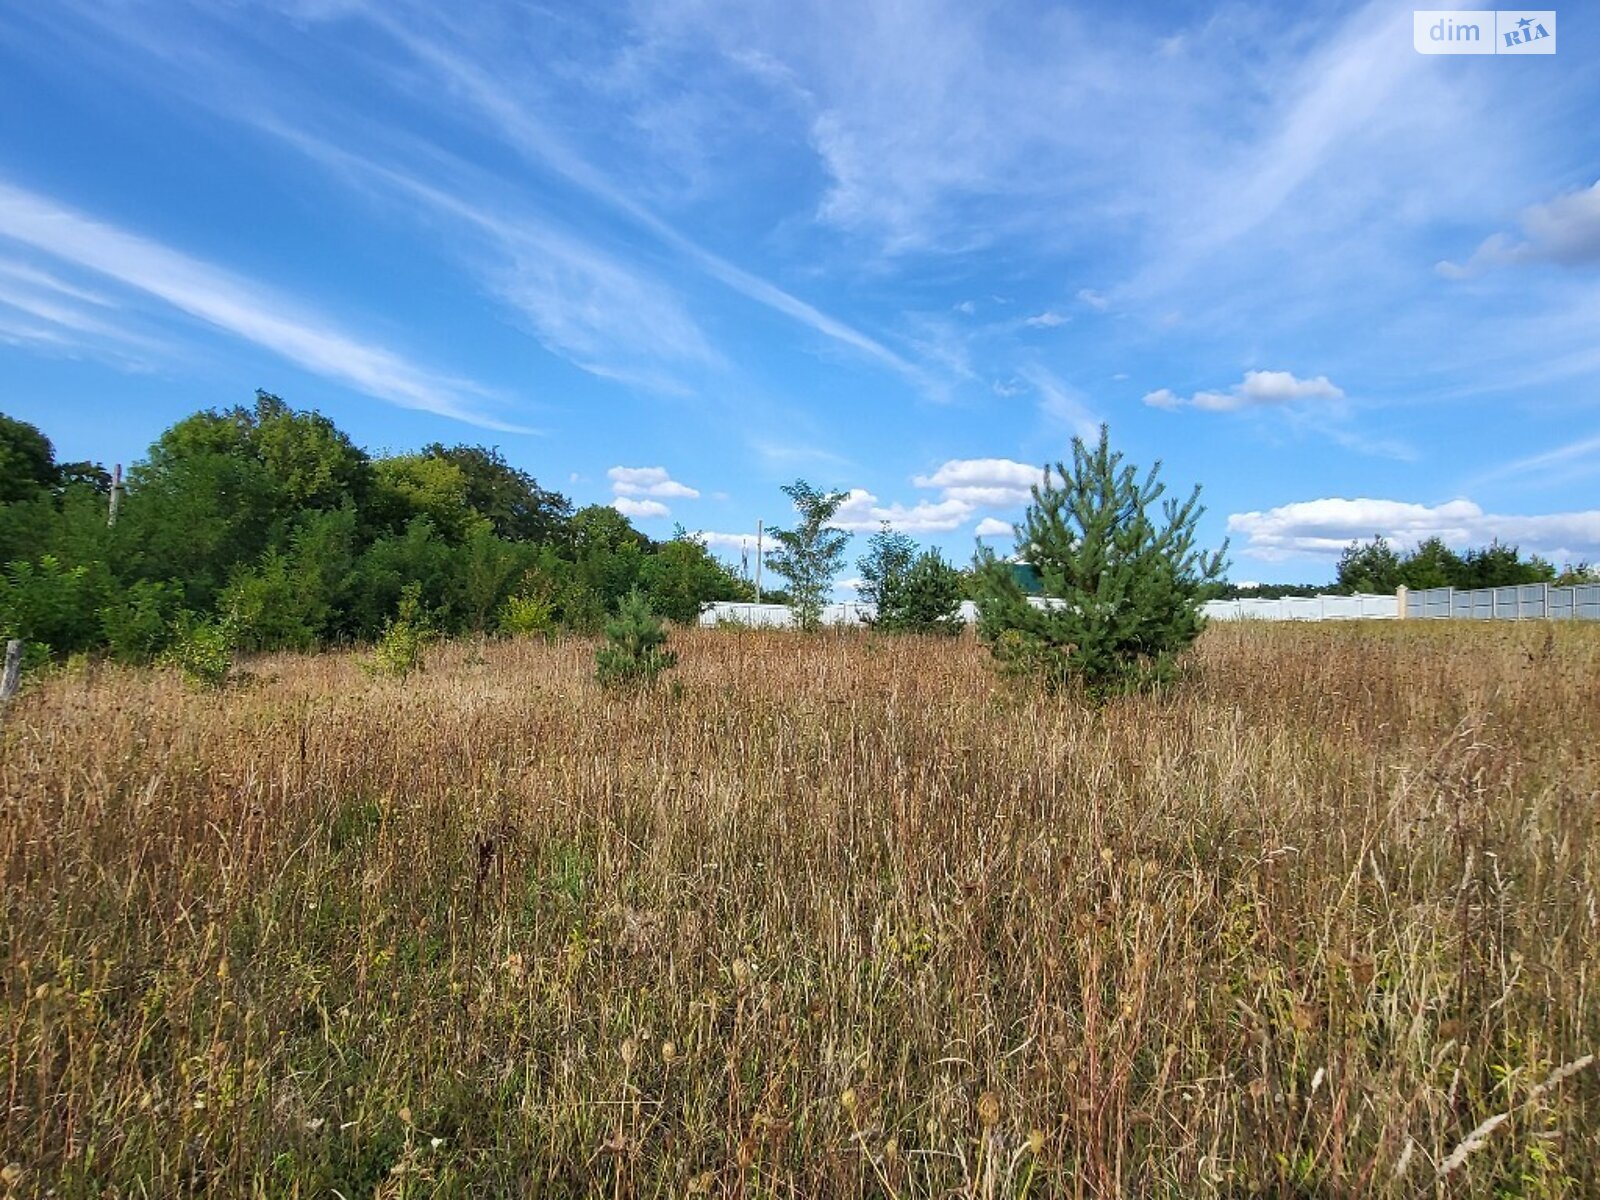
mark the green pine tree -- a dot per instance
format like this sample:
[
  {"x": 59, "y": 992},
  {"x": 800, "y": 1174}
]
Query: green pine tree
[
  {"x": 923, "y": 597},
  {"x": 1121, "y": 579},
  {"x": 634, "y": 651}
]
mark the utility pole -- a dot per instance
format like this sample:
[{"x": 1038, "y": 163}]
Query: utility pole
[
  {"x": 758, "y": 561},
  {"x": 116, "y": 494}
]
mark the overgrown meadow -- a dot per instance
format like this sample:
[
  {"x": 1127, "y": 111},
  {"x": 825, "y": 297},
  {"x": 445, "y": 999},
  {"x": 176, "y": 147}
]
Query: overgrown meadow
[{"x": 815, "y": 916}]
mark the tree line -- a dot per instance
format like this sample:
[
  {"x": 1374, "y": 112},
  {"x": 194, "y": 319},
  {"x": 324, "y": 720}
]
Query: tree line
[
  {"x": 272, "y": 525},
  {"x": 1377, "y": 566},
  {"x": 262, "y": 527}
]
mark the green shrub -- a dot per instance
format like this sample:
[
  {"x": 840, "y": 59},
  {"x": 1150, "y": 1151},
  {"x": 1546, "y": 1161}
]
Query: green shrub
[
  {"x": 633, "y": 653},
  {"x": 527, "y": 616},
  {"x": 202, "y": 649},
  {"x": 139, "y": 624},
  {"x": 405, "y": 639},
  {"x": 267, "y": 607},
  {"x": 49, "y": 604}
]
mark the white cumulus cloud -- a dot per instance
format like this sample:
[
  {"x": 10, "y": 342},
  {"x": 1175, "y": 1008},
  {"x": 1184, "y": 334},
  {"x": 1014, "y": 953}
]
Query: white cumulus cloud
[
  {"x": 640, "y": 509},
  {"x": 648, "y": 481},
  {"x": 1258, "y": 389},
  {"x": 1323, "y": 528},
  {"x": 861, "y": 511},
  {"x": 1565, "y": 231},
  {"x": 983, "y": 482},
  {"x": 994, "y": 527}
]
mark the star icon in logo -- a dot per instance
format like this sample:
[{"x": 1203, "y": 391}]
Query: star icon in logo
[{"x": 1524, "y": 23}]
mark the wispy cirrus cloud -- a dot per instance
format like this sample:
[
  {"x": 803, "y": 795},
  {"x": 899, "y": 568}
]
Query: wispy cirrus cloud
[
  {"x": 1061, "y": 404},
  {"x": 488, "y": 94},
  {"x": 1561, "y": 464},
  {"x": 611, "y": 318},
  {"x": 240, "y": 306}
]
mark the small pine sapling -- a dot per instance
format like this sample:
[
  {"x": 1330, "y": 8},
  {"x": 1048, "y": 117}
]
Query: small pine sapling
[{"x": 634, "y": 652}]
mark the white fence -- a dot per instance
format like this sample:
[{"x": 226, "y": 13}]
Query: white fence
[
  {"x": 1528, "y": 601},
  {"x": 781, "y": 616},
  {"x": 1532, "y": 601},
  {"x": 1361, "y": 606},
  {"x": 1290, "y": 608}
]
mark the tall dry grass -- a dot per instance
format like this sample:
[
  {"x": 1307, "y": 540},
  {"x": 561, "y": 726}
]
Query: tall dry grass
[{"x": 836, "y": 916}]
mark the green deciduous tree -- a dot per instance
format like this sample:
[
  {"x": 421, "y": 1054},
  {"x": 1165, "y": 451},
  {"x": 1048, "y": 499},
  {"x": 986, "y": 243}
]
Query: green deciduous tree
[
  {"x": 407, "y": 486},
  {"x": 513, "y": 503},
  {"x": 220, "y": 488},
  {"x": 810, "y": 554},
  {"x": 139, "y": 622},
  {"x": 27, "y": 461},
  {"x": 682, "y": 576},
  {"x": 51, "y": 604},
  {"x": 1369, "y": 567},
  {"x": 889, "y": 556},
  {"x": 1121, "y": 578}
]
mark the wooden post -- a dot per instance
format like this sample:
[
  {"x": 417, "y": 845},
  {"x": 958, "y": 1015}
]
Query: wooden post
[
  {"x": 758, "y": 562},
  {"x": 13, "y": 672},
  {"x": 1402, "y": 595}
]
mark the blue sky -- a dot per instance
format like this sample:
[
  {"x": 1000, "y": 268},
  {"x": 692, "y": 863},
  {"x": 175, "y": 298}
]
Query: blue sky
[{"x": 673, "y": 255}]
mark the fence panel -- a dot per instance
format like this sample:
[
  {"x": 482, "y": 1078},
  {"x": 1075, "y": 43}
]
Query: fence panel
[
  {"x": 1528, "y": 601},
  {"x": 1532, "y": 601}
]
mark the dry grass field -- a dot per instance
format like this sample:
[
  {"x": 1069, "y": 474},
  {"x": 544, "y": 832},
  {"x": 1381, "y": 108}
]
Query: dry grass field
[{"x": 825, "y": 917}]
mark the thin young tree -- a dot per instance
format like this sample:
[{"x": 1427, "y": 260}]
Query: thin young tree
[
  {"x": 810, "y": 554},
  {"x": 1120, "y": 574}
]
